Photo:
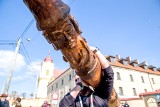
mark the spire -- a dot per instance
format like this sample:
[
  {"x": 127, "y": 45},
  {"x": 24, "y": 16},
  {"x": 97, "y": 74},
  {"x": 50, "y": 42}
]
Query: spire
[{"x": 48, "y": 58}]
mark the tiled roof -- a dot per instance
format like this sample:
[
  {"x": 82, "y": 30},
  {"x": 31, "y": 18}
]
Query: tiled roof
[
  {"x": 57, "y": 72},
  {"x": 140, "y": 67}
]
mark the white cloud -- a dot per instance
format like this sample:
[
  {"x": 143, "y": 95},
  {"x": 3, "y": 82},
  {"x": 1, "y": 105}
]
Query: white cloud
[
  {"x": 7, "y": 59},
  {"x": 18, "y": 78},
  {"x": 34, "y": 68},
  {"x": 23, "y": 72}
]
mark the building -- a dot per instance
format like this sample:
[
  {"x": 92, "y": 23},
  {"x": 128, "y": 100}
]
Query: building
[
  {"x": 47, "y": 74},
  {"x": 131, "y": 79},
  {"x": 151, "y": 98}
]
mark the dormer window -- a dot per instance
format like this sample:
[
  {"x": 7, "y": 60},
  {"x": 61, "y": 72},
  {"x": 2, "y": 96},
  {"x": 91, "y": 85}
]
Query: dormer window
[
  {"x": 123, "y": 61},
  {"x": 143, "y": 65},
  {"x": 134, "y": 63},
  {"x": 158, "y": 69},
  {"x": 151, "y": 67},
  {"x": 111, "y": 59}
]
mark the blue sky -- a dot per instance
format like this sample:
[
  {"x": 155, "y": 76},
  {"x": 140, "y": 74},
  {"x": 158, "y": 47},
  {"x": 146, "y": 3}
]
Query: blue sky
[{"x": 117, "y": 27}]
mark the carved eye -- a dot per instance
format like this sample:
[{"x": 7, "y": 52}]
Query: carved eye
[{"x": 68, "y": 28}]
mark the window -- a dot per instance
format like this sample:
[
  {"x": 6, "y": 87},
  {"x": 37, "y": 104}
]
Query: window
[
  {"x": 153, "y": 80},
  {"x": 69, "y": 88},
  {"x": 52, "y": 88},
  {"x": 121, "y": 91},
  {"x": 134, "y": 92},
  {"x": 62, "y": 82},
  {"x": 61, "y": 95},
  {"x": 112, "y": 60},
  {"x": 131, "y": 77},
  {"x": 47, "y": 72},
  {"x": 118, "y": 76},
  {"x": 56, "y": 85},
  {"x": 145, "y": 90},
  {"x": 125, "y": 62},
  {"x": 70, "y": 77},
  {"x": 142, "y": 79}
]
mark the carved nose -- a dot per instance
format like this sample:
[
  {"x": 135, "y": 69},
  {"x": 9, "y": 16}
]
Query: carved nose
[{"x": 67, "y": 36}]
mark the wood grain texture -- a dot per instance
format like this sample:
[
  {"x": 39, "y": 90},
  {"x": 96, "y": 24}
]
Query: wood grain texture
[{"x": 61, "y": 30}]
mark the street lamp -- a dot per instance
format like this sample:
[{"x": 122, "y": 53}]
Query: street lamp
[{"x": 7, "y": 84}]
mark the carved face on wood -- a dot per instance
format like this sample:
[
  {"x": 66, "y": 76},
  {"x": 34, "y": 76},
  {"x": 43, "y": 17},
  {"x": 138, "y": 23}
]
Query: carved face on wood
[{"x": 62, "y": 36}]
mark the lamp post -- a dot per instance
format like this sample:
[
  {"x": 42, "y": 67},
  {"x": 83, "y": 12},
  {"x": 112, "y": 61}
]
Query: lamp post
[{"x": 10, "y": 73}]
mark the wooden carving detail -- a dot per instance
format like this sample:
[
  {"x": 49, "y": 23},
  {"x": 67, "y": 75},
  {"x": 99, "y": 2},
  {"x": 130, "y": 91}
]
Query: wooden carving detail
[{"x": 62, "y": 31}]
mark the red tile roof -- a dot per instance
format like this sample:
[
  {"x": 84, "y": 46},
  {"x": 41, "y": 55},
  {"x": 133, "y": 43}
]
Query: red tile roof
[
  {"x": 57, "y": 72},
  {"x": 128, "y": 66}
]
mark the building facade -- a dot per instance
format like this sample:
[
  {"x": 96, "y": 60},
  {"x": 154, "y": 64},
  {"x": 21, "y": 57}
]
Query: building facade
[
  {"x": 46, "y": 73},
  {"x": 130, "y": 79}
]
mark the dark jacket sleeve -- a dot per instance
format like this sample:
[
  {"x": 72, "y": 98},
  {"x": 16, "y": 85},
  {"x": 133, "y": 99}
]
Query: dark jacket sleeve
[
  {"x": 105, "y": 87},
  {"x": 0, "y": 103},
  {"x": 67, "y": 101}
]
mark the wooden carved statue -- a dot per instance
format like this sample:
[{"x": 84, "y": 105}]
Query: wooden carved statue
[{"x": 62, "y": 31}]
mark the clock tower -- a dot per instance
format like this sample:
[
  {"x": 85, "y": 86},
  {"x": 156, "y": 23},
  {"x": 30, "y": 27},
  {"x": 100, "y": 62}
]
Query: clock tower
[{"x": 46, "y": 73}]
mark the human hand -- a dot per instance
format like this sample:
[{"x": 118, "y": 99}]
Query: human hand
[
  {"x": 79, "y": 80},
  {"x": 94, "y": 49}
]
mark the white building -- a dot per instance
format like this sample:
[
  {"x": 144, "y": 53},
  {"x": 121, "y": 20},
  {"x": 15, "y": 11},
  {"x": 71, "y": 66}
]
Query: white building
[
  {"x": 46, "y": 73},
  {"x": 131, "y": 79}
]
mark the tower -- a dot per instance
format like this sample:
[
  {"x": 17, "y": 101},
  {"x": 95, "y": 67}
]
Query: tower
[{"x": 47, "y": 68}]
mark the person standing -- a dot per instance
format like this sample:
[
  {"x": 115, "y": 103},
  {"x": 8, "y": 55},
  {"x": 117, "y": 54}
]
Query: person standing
[
  {"x": 3, "y": 101},
  {"x": 45, "y": 104},
  {"x": 18, "y": 102},
  {"x": 126, "y": 104},
  {"x": 83, "y": 95},
  {"x": 158, "y": 104}
]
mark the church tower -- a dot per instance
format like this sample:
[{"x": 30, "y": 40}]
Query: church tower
[{"x": 47, "y": 68}]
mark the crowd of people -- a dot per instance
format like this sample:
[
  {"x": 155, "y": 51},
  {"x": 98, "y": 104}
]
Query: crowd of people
[
  {"x": 82, "y": 95},
  {"x": 4, "y": 102}
]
